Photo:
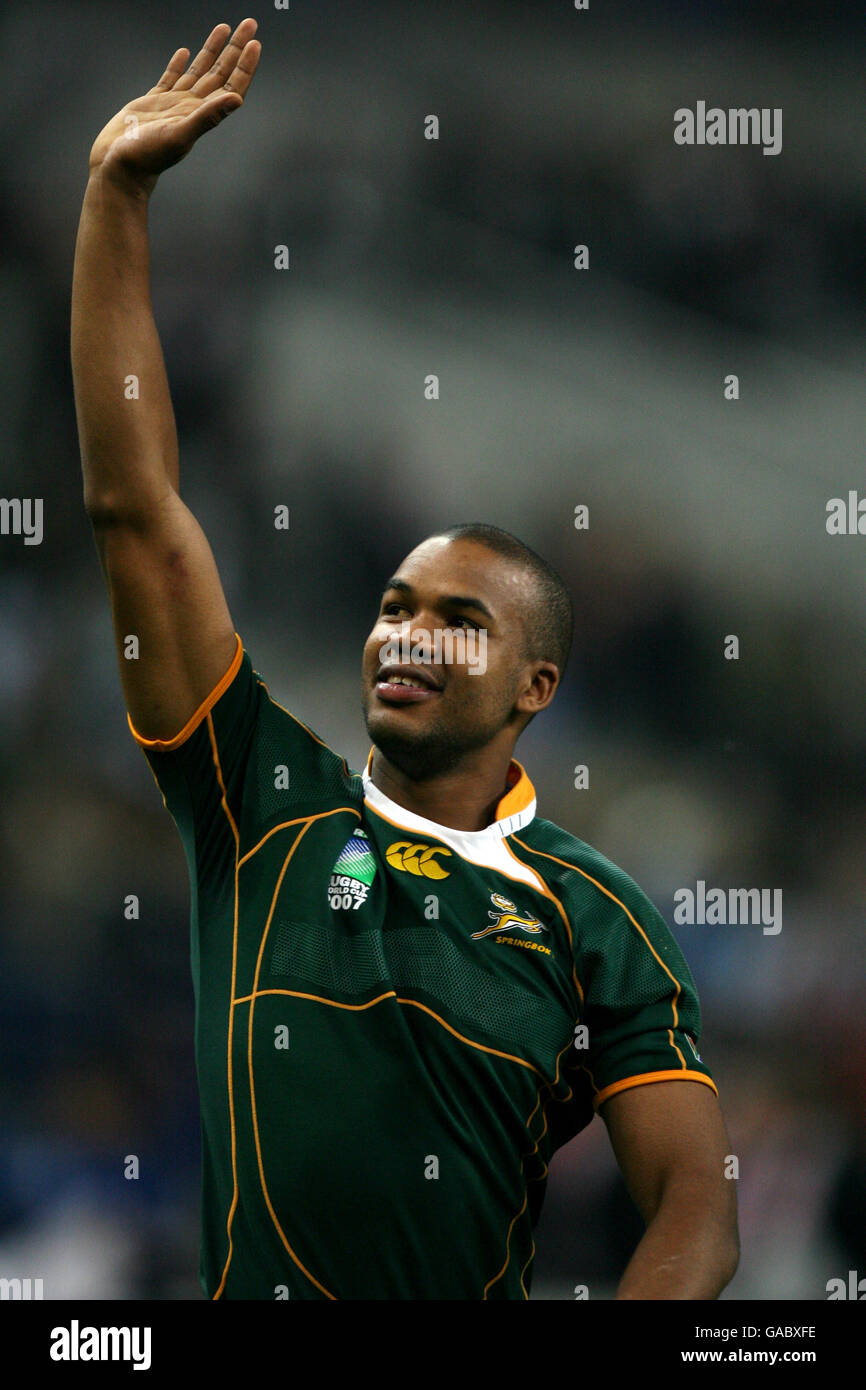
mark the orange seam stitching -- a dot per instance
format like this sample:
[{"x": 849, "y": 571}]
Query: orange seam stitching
[
  {"x": 353, "y": 810},
  {"x": 644, "y": 1078},
  {"x": 306, "y": 729},
  {"x": 632, "y": 919},
  {"x": 497, "y": 1277},
  {"x": 549, "y": 893},
  {"x": 264, "y": 1185},
  {"x": 229, "y": 1075},
  {"x": 317, "y": 998},
  {"x": 167, "y": 745}
]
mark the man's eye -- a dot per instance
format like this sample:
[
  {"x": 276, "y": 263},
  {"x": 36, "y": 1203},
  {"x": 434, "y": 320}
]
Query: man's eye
[
  {"x": 391, "y": 610},
  {"x": 468, "y": 621}
]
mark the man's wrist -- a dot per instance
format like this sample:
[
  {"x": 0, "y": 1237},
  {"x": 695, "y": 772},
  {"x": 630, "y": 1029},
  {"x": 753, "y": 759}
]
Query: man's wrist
[{"x": 114, "y": 180}]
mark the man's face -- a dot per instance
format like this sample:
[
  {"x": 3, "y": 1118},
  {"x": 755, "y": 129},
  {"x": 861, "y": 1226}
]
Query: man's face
[{"x": 474, "y": 600}]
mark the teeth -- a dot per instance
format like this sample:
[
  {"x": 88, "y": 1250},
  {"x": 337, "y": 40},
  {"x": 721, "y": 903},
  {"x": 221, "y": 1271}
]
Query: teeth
[{"x": 405, "y": 680}]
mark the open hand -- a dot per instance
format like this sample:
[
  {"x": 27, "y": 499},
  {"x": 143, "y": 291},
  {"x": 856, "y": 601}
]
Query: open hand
[{"x": 156, "y": 130}]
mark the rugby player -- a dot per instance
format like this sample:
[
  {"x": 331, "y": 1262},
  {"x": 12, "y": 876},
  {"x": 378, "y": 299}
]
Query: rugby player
[{"x": 410, "y": 989}]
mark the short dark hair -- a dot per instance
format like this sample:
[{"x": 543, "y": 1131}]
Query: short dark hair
[{"x": 549, "y": 626}]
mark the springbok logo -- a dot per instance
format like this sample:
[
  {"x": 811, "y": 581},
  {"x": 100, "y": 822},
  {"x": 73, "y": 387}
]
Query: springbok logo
[
  {"x": 416, "y": 859},
  {"x": 507, "y": 917}
]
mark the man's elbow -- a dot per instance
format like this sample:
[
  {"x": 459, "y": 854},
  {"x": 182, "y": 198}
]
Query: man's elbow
[
  {"x": 708, "y": 1212},
  {"x": 721, "y": 1242}
]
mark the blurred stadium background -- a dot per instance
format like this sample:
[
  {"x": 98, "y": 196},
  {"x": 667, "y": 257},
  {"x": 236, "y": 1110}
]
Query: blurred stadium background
[{"x": 558, "y": 388}]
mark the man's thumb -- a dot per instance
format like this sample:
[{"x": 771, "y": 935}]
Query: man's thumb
[{"x": 221, "y": 109}]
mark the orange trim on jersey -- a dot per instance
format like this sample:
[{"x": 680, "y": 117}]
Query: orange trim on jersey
[
  {"x": 533, "y": 1153},
  {"x": 238, "y": 862},
  {"x": 283, "y": 825},
  {"x": 499, "y": 1275},
  {"x": 234, "y": 1202},
  {"x": 482, "y": 1047},
  {"x": 528, "y": 1121},
  {"x": 518, "y": 797},
  {"x": 318, "y": 998},
  {"x": 165, "y": 745},
  {"x": 391, "y": 994},
  {"x": 585, "y": 1068},
  {"x": 548, "y": 892},
  {"x": 264, "y": 1186},
  {"x": 315, "y": 737},
  {"x": 525, "y": 1268},
  {"x": 646, "y": 1077},
  {"x": 224, "y": 801},
  {"x": 634, "y": 922},
  {"x": 544, "y": 890},
  {"x": 512, "y": 878},
  {"x": 301, "y": 1266}
]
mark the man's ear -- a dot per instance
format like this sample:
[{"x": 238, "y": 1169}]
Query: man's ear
[{"x": 536, "y": 695}]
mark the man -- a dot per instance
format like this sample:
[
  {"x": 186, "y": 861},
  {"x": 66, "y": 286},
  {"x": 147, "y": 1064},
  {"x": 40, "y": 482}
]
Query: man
[{"x": 410, "y": 990}]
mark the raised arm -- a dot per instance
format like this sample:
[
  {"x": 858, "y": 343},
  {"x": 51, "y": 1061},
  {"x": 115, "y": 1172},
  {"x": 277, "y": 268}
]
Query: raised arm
[{"x": 160, "y": 571}]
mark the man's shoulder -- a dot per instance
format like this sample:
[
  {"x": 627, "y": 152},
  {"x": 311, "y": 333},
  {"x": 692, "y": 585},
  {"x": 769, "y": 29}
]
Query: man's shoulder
[
  {"x": 283, "y": 722},
  {"x": 288, "y": 763},
  {"x": 578, "y": 873}
]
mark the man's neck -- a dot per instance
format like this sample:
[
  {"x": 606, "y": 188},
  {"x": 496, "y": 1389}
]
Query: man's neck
[{"x": 464, "y": 799}]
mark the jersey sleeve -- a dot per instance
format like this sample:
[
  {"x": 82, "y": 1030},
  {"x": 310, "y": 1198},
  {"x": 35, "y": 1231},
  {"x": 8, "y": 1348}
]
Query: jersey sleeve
[
  {"x": 200, "y": 770},
  {"x": 240, "y": 765},
  {"x": 641, "y": 1008}
]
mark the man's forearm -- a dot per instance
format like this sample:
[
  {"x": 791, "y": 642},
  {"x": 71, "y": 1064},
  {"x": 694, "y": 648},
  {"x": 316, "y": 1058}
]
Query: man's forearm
[
  {"x": 126, "y": 428},
  {"x": 688, "y": 1251}
]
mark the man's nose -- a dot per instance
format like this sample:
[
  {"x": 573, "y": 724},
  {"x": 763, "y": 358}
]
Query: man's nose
[{"x": 419, "y": 631}]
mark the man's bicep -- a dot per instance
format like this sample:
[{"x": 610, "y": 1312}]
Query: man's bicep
[
  {"x": 669, "y": 1131},
  {"x": 173, "y": 630}
]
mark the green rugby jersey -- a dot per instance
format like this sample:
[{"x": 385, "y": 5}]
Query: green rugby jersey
[{"x": 397, "y": 1023}]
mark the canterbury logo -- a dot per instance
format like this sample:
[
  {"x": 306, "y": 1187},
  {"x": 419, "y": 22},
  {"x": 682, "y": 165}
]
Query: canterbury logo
[
  {"x": 416, "y": 859},
  {"x": 507, "y": 916}
]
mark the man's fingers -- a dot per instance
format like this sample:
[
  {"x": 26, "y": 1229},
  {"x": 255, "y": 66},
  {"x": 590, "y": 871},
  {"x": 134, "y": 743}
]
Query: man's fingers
[
  {"x": 240, "y": 79},
  {"x": 213, "y": 85},
  {"x": 173, "y": 71},
  {"x": 231, "y": 58},
  {"x": 204, "y": 59}
]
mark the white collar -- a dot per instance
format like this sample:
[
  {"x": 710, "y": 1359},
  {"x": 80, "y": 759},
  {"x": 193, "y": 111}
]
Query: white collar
[{"x": 515, "y": 810}]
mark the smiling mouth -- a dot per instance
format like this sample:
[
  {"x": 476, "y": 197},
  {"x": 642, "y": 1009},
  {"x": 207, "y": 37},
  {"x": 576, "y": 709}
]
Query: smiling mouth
[{"x": 398, "y": 686}]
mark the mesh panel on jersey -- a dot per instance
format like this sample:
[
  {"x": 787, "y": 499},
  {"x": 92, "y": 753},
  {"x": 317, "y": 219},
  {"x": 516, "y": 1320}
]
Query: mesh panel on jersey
[
  {"x": 629, "y": 976},
  {"x": 351, "y": 963},
  {"x": 332, "y": 960},
  {"x": 503, "y": 1006},
  {"x": 317, "y": 775}
]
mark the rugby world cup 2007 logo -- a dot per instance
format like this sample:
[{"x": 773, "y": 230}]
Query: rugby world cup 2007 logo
[
  {"x": 353, "y": 874},
  {"x": 507, "y": 918}
]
